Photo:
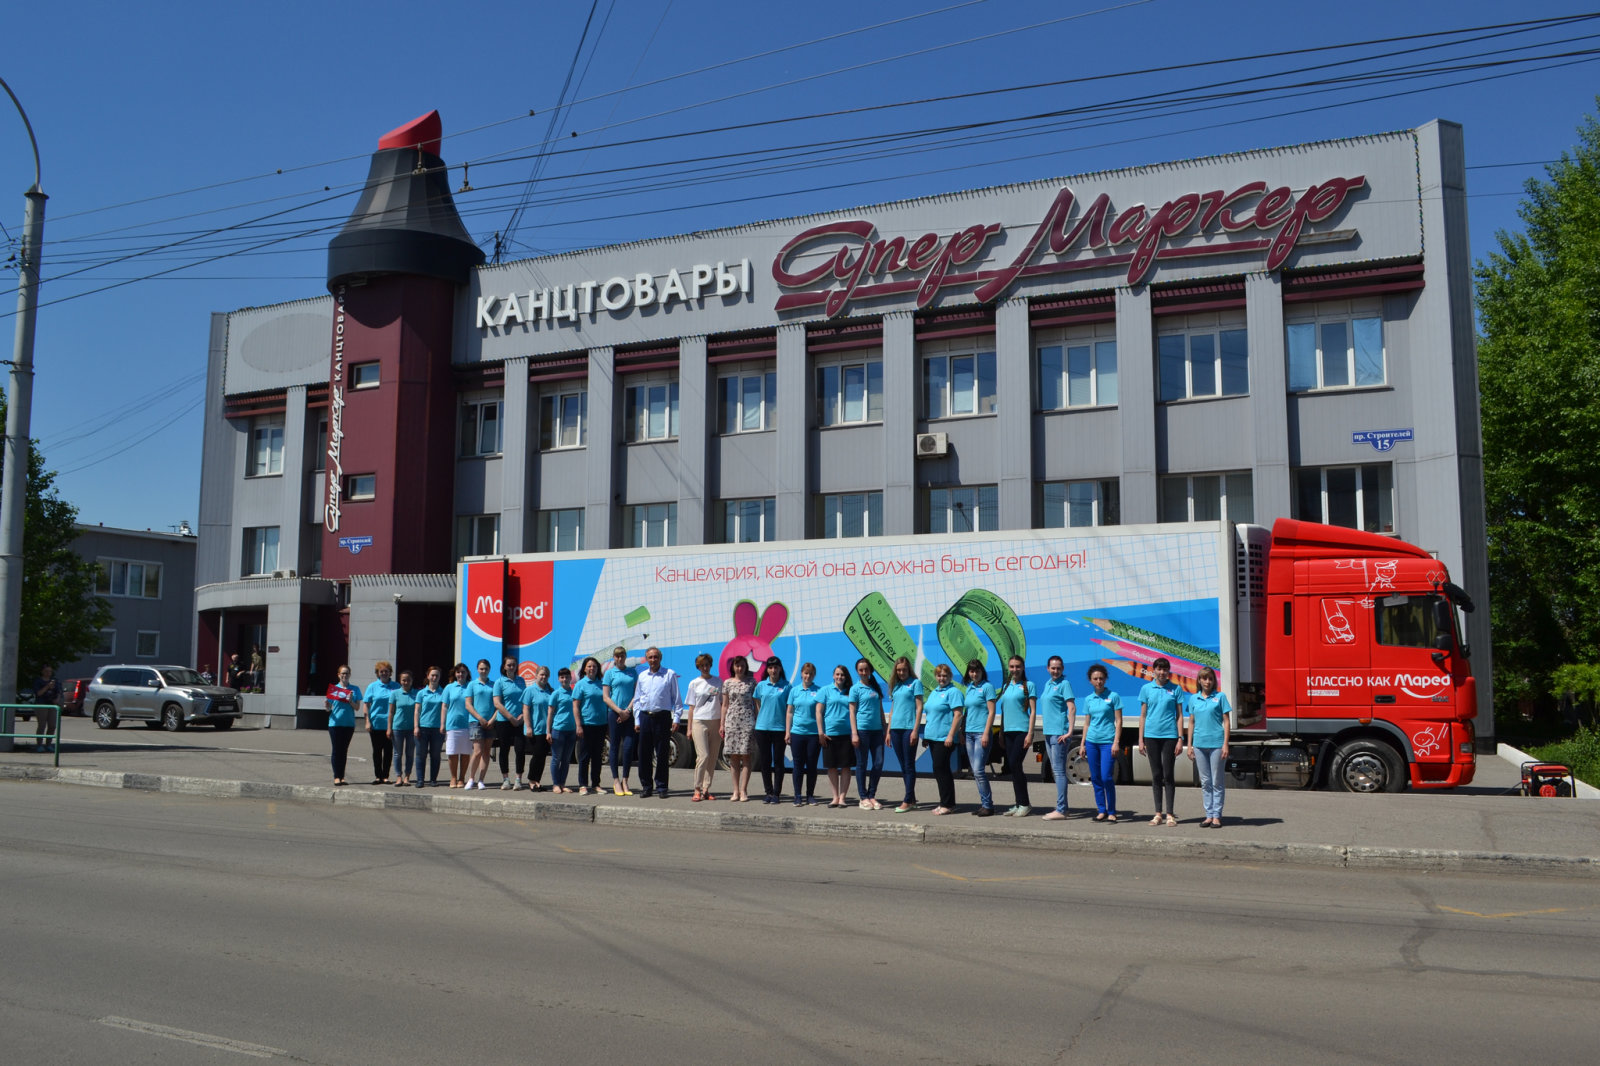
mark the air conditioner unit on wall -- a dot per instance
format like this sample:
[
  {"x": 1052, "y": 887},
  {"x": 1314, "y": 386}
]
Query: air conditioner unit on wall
[{"x": 933, "y": 445}]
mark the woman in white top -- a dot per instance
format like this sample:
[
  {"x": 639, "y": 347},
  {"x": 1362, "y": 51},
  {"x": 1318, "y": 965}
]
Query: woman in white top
[{"x": 703, "y": 701}]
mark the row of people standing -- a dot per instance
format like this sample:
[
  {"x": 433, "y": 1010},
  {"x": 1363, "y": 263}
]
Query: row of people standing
[{"x": 847, "y": 725}]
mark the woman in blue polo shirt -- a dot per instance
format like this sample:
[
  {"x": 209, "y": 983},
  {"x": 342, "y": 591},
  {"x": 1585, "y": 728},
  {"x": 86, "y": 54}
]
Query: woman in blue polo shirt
[
  {"x": 375, "y": 704},
  {"x": 619, "y": 682},
  {"x": 457, "y": 742},
  {"x": 561, "y": 728},
  {"x": 480, "y": 730},
  {"x": 905, "y": 711},
  {"x": 589, "y": 704},
  {"x": 1018, "y": 704},
  {"x": 508, "y": 726},
  {"x": 1206, "y": 726},
  {"x": 341, "y": 721},
  {"x": 979, "y": 721},
  {"x": 802, "y": 731},
  {"x": 533, "y": 721},
  {"x": 1160, "y": 709},
  {"x": 772, "y": 704},
  {"x": 942, "y": 711},
  {"x": 1058, "y": 710},
  {"x": 430, "y": 730},
  {"x": 869, "y": 733},
  {"x": 402, "y": 719},
  {"x": 838, "y": 753},
  {"x": 1102, "y": 742}
]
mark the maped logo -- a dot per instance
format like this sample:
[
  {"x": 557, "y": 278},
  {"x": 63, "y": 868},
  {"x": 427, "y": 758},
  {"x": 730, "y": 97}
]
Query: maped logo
[
  {"x": 529, "y": 588},
  {"x": 525, "y": 587}
]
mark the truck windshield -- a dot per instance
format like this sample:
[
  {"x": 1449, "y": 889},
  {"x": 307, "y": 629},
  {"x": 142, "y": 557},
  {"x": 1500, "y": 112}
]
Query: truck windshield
[{"x": 1407, "y": 621}]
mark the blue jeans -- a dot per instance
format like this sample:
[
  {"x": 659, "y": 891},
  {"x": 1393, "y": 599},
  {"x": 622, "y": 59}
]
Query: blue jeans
[
  {"x": 978, "y": 755},
  {"x": 869, "y": 764},
  {"x": 804, "y": 749},
  {"x": 1060, "y": 754},
  {"x": 1103, "y": 772},
  {"x": 905, "y": 753},
  {"x": 561, "y": 745},
  {"x": 622, "y": 736},
  {"x": 430, "y": 746},
  {"x": 1209, "y": 762},
  {"x": 405, "y": 752}
]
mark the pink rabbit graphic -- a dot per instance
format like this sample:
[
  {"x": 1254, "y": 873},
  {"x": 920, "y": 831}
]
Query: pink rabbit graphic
[{"x": 752, "y": 638}]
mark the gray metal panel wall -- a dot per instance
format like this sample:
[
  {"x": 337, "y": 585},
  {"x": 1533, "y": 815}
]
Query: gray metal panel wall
[
  {"x": 1269, "y": 390},
  {"x": 696, "y": 425},
  {"x": 216, "y": 553},
  {"x": 900, "y": 385},
  {"x": 171, "y": 615},
  {"x": 600, "y": 458},
  {"x": 1136, "y": 403},
  {"x": 514, "y": 440},
  {"x": 1014, "y": 401},
  {"x": 275, "y": 347},
  {"x": 290, "y": 495},
  {"x": 789, "y": 477}
]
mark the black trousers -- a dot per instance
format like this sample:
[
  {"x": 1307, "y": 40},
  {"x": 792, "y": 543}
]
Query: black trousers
[
  {"x": 340, "y": 736},
  {"x": 769, "y": 759},
  {"x": 805, "y": 748},
  {"x": 940, "y": 753},
  {"x": 1016, "y": 752},
  {"x": 655, "y": 747},
  {"x": 509, "y": 736},
  {"x": 538, "y": 750},
  {"x": 382, "y": 752},
  {"x": 591, "y": 753},
  {"x": 1162, "y": 752}
]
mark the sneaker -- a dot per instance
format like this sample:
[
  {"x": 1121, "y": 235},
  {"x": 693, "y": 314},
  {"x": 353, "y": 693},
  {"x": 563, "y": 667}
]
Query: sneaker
[
  {"x": 1055, "y": 816},
  {"x": 507, "y": 786},
  {"x": 1022, "y": 811}
]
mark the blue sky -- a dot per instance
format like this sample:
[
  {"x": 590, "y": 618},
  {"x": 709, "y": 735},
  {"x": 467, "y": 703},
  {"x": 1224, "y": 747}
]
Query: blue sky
[{"x": 161, "y": 123}]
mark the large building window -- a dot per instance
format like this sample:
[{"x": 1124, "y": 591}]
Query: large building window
[
  {"x": 749, "y": 521},
  {"x": 850, "y": 391},
  {"x": 477, "y": 534},
  {"x": 1069, "y": 504},
  {"x": 1077, "y": 369},
  {"x": 851, "y": 514},
  {"x": 563, "y": 420},
  {"x": 652, "y": 525},
  {"x": 650, "y": 410},
  {"x": 105, "y": 643},
  {"x": 747, "y": 401},
  {"x": 1207, "y": 498},
  {"x": 260, "y": 550},
  {"x": 1358, "y": 497},
  {"x": 958, "y": 385},
  {"x": 559, "y": 531},
  {"x": 147, "y": 644},
  {"x": 1204, "y": 355},
  {"x": 1338, "y": 345},
  {"x": 117, "y": 577},
  {"x": 364, "y": 376},
  {"x": 965, "y": 509},
  {"x": 480, "y": 428},
  {"x": 319, "y": 445},
  {"x": 266, "y": 446}
]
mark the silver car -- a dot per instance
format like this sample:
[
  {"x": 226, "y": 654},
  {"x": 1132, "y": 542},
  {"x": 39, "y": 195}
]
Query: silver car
[{"x": 172, "y": 697}]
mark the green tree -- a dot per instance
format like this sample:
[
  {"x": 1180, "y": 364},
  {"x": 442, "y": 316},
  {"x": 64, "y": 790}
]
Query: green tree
[
  {"x": 1539, "y": 376},
  {"x": 60, "y": 611}
]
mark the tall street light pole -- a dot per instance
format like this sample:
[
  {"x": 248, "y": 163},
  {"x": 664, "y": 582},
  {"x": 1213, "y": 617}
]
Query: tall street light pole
[{"x": 19, "y": 413}]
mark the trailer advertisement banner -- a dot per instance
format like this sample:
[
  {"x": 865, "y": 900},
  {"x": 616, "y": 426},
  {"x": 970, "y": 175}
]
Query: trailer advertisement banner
[{"x": 1122, "y": 599}]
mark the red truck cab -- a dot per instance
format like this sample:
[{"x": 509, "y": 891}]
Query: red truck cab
[{"x": 1364, "y": 658}]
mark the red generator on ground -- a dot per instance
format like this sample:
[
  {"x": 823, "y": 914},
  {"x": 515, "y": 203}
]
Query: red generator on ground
[{"x": 1548, "y": 779}]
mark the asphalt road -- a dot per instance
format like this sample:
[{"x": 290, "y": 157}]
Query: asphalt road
[{"x": 162, "y": 928}]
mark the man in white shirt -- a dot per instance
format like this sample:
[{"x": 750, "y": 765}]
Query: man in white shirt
[{"x": 655, "y": 711}]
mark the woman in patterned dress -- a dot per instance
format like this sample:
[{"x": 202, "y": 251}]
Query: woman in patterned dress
[{"x": 738, "y": 725}]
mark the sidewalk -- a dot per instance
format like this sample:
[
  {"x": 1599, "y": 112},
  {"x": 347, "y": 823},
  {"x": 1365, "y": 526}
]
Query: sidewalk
[{"x": 1485, "y": 826}]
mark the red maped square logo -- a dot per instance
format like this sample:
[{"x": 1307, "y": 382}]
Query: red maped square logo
[{"x": 529, "y": 593}]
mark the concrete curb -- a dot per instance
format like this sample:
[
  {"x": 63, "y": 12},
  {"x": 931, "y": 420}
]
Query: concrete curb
[
  {"x": 1516, "y": 757},
  {"x": 1353, "y": 857}
]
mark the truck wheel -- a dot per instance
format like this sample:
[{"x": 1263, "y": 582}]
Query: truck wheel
[
  {"x": 172, "y": 718},
  {"x": 680, "y": 751},
  {"x": 105, "y": 715},
  {"x": 1367, "y": 765}
]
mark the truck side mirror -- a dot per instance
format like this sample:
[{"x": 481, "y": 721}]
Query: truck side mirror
[{"x": 1443, "y": 642}]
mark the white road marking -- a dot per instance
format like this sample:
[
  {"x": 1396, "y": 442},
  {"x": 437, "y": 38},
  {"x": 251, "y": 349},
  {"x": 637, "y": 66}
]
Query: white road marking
[{"x": 222, "y": 1043}]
